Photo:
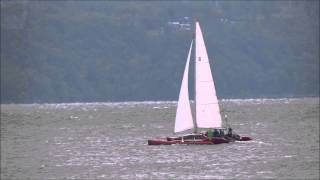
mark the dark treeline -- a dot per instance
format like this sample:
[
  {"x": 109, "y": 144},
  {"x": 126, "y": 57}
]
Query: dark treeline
[{"x": 84, "y": 51}]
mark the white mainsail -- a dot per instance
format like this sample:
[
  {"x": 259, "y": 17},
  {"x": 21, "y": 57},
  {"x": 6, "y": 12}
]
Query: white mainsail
[
  {"x": 183, "y": 115},
  {"x": 207, "y": 107}
]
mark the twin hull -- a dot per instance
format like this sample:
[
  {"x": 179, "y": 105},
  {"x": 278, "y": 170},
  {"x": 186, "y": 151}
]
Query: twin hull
[{"x": 198, "y": 142}]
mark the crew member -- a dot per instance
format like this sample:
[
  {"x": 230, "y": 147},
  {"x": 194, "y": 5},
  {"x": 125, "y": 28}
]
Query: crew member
[{"x": 229, "y": 132}]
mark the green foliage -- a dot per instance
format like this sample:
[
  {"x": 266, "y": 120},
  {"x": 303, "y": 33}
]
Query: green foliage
[{"x": 69, "y": 51}]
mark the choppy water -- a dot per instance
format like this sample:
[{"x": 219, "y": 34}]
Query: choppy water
[{"x": 109, "y": 141}]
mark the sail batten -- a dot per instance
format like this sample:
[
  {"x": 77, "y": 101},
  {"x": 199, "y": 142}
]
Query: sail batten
[{"x": 183, "y": 115}]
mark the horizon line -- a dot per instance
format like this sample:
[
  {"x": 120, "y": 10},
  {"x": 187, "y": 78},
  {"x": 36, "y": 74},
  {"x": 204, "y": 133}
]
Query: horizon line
[{"x": 159, "y": 101}]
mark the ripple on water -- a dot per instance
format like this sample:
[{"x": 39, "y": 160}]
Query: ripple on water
[{"x": 109, "y": 141}]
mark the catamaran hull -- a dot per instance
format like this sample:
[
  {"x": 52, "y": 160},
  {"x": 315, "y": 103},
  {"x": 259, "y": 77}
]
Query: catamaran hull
[
  {"x": 245, "y": 138},
  {"x": 197, "y": 142}
]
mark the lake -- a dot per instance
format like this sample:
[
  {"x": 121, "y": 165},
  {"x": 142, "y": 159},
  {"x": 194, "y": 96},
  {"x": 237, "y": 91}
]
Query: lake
[{"x": 109, "y": 141}]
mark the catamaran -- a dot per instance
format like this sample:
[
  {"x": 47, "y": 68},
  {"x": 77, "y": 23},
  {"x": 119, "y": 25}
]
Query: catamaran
[{"x": 207, "y": 111}]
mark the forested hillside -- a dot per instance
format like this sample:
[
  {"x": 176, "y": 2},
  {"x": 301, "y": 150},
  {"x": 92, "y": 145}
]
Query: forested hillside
[{"x": 85, "y": 51}]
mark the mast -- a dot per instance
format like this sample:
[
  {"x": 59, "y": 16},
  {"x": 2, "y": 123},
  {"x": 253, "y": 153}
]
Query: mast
[{"x": 195, "y": 76}]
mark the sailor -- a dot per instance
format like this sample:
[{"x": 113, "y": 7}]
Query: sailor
[
  {"x": 229, "y": 132},
  {"x": 221, "y": 132},
  {"x": 210, "y": 134},
  {"x": 216, "y": 133}
]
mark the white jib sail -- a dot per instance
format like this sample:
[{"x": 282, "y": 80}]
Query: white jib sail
[
  {"x": 207, "y": 107},
  {"x": 183, "y": 115}
]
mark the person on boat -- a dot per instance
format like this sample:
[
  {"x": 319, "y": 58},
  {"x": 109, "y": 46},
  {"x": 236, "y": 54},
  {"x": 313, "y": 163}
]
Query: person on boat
[
  {"x": 216, "y": 133},
  {"x": 209, "y": 134},
  {"x": 229, "y": 132},
  {"x": 221, "y": 132}
]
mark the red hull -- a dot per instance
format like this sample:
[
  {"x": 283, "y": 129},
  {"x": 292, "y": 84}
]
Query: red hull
[
  {"x": 195, "y": 142},
  {"x": 245, "y": 138},
  {"x": 215, "y": 140}
]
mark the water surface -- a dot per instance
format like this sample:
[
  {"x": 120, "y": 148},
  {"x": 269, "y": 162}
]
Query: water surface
[{"x": 109, "y": 141}]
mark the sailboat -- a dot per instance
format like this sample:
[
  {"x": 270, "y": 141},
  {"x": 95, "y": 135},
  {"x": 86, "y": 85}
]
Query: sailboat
[{"x": 207, "y": 111}]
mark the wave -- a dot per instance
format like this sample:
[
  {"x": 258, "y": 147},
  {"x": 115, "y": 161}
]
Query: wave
[
  {"x": 134, "y": 103},
  {"x": 270, "y": 100}
]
